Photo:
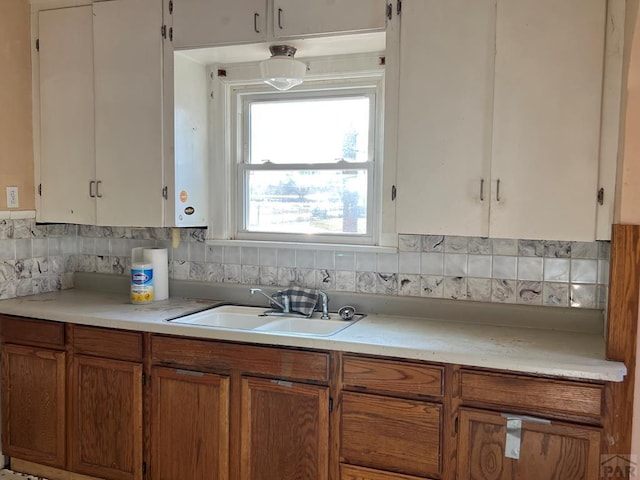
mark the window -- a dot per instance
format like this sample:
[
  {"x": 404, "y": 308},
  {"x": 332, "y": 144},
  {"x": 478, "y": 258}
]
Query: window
[{"x": 306, "y": 162}]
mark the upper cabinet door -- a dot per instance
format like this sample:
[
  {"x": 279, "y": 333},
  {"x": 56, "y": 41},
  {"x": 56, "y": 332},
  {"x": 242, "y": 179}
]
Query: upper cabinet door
[
  {"x": 548, "y": 89},
  {"x": 444, "y": 128},
  {"x": 308, "y": 17},
  {"x": 198, "y": 23},
  {"x": 128, "y": 109},
  {"x": 66, "y": 115}
]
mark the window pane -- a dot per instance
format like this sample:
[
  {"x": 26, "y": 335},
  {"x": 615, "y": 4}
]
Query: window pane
[
  {"x": 307, "y": 201},
  {"x": 310, "y": 131}
]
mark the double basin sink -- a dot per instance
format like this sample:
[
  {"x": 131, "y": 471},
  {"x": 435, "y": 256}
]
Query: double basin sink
[{"x": 236, "y": 317}]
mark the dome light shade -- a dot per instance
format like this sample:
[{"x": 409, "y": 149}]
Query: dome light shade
[{"x": 282, "y": 71}]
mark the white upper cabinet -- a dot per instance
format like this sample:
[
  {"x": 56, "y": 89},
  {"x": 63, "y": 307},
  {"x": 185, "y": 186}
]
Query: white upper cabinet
[
  {"x": 546, "y": 133},
  {"x": 499, "y": 117},
  {"x": 103, "y": 155},
  {"x": 309, "y": 17},
  {"x": 205, "y": 23},
  {"x": 198, "y": 23},
  {"x": 444, "y": 130},
  {"x": 66, "y": 115},
  {"x": 128, "y": 103}
]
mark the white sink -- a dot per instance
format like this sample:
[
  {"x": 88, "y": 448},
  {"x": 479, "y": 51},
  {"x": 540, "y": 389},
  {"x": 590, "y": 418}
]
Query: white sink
[
  {"x": 227, "y": 316},
  {"x": 305, "y": 326},
  {"x": 253, "y": 318}
]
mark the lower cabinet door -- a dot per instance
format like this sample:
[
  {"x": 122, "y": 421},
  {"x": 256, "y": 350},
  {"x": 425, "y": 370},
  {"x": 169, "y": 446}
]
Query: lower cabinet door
[
  {"x": 106, "y": 418},
  {"x": 391, "y": 434},
  {"x": 349, "y": 472},
  {"x": 190, "y": 425},
  {"x": 284, "y": 430},
  {"x": 546, "y": 450},
  {"x": 33, "y": 404}
]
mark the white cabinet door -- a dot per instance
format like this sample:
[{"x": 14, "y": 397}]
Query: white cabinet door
[
  {"x": 128, "y": 112},
  {"x": 198, "y": 23},
  {"x": 548, "y": 88},
  {"x": 308, "y": 17},
  {"x": 66, "y": 115},
  {"x": 446, "y": 92}
]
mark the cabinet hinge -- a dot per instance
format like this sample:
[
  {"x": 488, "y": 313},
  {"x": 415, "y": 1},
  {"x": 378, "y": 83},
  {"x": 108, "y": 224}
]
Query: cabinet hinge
[
  {"x": 40, "y": 189},
  {"x": 330, "y": 404},
  {"x": 37, "y": 44},
  {"x": 163, "y": 31},
  {"x": 389, "y": 11},
  {"x": 601, "y": 196},
  {"x": 393, "y": 193},
  {"x": 170, "y": 7},
  {"x": 165, "y": 192},
  {"x": 399, "y": 7}
]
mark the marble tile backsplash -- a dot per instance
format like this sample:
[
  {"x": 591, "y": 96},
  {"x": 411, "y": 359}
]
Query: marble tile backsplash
[
  {"x": 35, "y": 258},
  {"x": 553, "y": 273}
]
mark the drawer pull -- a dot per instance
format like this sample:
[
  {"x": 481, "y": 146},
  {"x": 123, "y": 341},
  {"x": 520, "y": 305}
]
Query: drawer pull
[
  {"x": 282, "y": 383},
  {"x": 514, "y": 433},
  {"x": 189, "y": 372}
]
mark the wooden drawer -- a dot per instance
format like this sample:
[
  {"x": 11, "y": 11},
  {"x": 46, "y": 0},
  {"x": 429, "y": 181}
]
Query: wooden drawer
[
  {"x": 392, "y": 377},
  {"x": 350, "y": 472},
  {"x": 108, "y": 343},
  {"x": 392, "y": 434},
  {"x": 223, "y": 357},
  {"x": 533, "y": 394},
  {"x": 26, "y": 331}
]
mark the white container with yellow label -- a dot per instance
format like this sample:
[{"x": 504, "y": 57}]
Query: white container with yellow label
[{"x": 141, "y": 283}]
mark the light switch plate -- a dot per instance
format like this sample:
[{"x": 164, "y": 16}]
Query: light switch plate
[{"x": 12, "y": 197}]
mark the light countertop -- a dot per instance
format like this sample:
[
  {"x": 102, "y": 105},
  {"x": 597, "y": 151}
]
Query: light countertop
[{"x": 570, "y": 354}]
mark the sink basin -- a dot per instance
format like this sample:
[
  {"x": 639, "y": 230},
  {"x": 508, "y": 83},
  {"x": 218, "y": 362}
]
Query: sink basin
[
  {"x": 305, "y": 326},
  {"x": 253, "y": 318},
  {"x": 227, "y": 316}
]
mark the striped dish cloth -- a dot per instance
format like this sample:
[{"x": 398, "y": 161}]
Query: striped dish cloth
[{"x": 301, "y": 300}]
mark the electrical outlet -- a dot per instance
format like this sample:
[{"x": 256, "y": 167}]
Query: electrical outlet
[{"x": 12, "y": 197}]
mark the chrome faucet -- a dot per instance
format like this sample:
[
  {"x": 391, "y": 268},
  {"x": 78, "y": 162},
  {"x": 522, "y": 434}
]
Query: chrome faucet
[
  {"x": 325, "y": 305},
  {"x": 284, "y": 306}
]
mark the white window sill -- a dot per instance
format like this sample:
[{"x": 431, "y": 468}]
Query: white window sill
[{"x": 304, "y": 246}]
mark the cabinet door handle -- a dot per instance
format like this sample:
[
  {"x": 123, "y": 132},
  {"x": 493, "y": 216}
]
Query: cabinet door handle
[
  {"x": 256, "y": 16},
  {"x": 98, "y": 194},
  {"x": 498, "y": 190},
  {"x": 280, "y": 18},
  {"x": 92, "y": 192},
  {"x": 482, "y": 189},
  {"x": 514, "y": 433}
]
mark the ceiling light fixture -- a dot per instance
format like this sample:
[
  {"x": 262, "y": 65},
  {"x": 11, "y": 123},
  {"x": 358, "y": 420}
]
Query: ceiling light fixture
[{"x": 282, "y": 71}]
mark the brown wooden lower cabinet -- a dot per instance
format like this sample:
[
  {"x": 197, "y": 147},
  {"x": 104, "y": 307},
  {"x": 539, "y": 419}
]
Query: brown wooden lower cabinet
[
  {"x": 393, "y": 434},
  {"x": 106, "y": 418},
  {"x": 547, "y": 451},
  {"x": 351, "y": 472},
  {"x": 189, "y": 425},
  {"x": 284, "y": 430},
  {"x": 33, "y": 404},
  {"x": 230, "y": 411}
]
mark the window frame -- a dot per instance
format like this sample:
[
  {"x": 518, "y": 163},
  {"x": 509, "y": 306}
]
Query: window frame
[
  {"x": 366, "y": 83},
  {"x": 243, "y": 165}
]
